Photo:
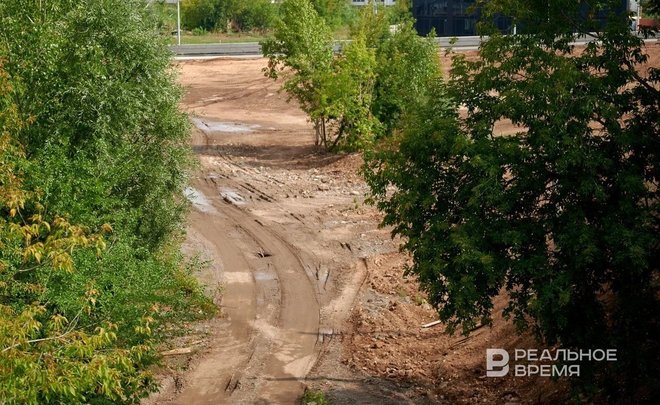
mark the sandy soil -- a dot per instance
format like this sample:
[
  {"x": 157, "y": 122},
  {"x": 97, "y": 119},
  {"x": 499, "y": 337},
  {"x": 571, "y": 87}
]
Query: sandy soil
[
  {"x": 312, "y": 290},
  {"x": 272, "y": 216}
]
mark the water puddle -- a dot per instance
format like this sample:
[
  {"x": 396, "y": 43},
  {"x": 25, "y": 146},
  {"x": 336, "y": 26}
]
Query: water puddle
[
  {"x": 210, "y": 126},
  {"x": 198, "y": 200},
  {"x": 263, "y": 276},
  {"x": 232, "y": 197}
]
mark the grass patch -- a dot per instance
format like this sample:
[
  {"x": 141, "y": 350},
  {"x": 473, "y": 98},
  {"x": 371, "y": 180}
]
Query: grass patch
[
  {"x": 203, "y": 37},
  {"x": 188, "y": 38},
  {"x": 315, "y": 397}
]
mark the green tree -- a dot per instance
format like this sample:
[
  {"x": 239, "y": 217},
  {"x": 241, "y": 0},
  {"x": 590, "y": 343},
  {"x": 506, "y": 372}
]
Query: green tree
[
  {"x": 335, "y": 12},
  {"x": 407, "y": 66},
  {"x": 100, "y": 142},
  {"x": 336, "y": 93},
  {"x": 256, "y": 15},
  {"x": 165, "y": 16},
  {"x": 365, "y": 90},
  {"x": 46, "y": 357},
  {"x": 374, "y": 26},
  {"x": 199, "y": 14},
  {"x": 349, "y": 97},
  {"x": 560, "y": 216},
  {"x": 228, "y": 15},
  {"x": 301, "y": 52},
  {"x": 101, "y": 93}
]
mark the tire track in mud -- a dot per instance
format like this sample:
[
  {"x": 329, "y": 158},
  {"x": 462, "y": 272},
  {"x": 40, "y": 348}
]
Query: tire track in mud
[{"x": 271, "y": 305}]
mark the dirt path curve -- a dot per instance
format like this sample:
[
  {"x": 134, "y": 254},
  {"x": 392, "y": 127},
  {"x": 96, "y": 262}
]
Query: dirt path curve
[
  {"x": 272, "y": 218},
  {"x": 269, "y": 301}
]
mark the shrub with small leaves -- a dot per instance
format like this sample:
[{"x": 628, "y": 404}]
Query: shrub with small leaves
[{"x": 558, "y": 213}]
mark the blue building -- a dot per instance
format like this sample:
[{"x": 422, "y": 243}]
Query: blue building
[
  {"x": 448, "y": 17},
  {"x": 452, "y": 18}
]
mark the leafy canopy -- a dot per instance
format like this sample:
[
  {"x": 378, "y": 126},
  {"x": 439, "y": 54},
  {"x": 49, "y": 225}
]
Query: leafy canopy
[
  {"x": 560, "y": 213},
  {"x": 361, "y": 93},
  {"x": 46, "y": 356},
  {"x": 94, "y": 159},
  {"x": 228, "y": 15}
]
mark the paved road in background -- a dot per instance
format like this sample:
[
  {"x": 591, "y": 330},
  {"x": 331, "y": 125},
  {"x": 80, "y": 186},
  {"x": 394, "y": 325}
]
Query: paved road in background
[{"x": 254, "y": 49}]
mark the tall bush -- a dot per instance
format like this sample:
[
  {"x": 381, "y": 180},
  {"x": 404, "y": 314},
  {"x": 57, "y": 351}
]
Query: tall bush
[
  {"x": 562, "y": 214},
  {"x": 224, "y": 15},
  {"x": 301, "y": 52},
  {"x": 364, "y": 91},
  {"x": 100, "y": 142}
]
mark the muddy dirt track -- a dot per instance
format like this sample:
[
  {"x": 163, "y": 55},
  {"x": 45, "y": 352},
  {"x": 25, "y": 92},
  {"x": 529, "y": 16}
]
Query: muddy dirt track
[
  {"x": 311, "y": 289},
  {"x": 256, "y": 220},
  {"x": 270, "y": 299},
  {"x": 272, "y": 338}
]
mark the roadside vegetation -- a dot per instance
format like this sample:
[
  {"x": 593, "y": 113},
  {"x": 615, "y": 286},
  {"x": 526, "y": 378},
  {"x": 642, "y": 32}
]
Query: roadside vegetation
[
  {"x": 357, "y": 96},
  {"x": 560, "y": 216},
  {"x": 650, "y": 8},
  {"x": 214, "y": 21},
  {"x": 94, "y": 159}
]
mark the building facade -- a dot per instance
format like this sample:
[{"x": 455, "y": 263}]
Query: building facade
[{"x": 451, "y": 18}]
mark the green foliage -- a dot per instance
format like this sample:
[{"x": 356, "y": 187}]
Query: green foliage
[
  {"x": 335, "y": 92},
  {"x": 199, "y": 14},
  {"x": 315, "y": 397},
  {"x": 46, "y": 356},
  {"x": 301, "y": 51},
  {"x": 336, "y": 13},
  {"x": 91, "y": 134},
  {"x": 164, "y": 15},
  {"x": 407, "y": 66},
  {"x": 562, "y": 215},
  {"x": 349, "y": 96},
  {"x": 101, "y": 92},
  {"x": 374, "y": 26},
  {"x": 260, "y": 15},
  {"x": 256, "y": 15},
  {"x": 199, "y": 31},
  {"x": 227, "y": 15},
  {"x": 366, "y": 89}
]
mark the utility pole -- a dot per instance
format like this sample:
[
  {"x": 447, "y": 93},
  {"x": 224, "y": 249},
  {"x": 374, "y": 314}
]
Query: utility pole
[{"x": 178, "y": 22}]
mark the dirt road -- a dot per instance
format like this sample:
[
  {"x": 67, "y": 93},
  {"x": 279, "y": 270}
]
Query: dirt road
[
  {"x": 256, "y": 221},
  {"x": 269, "y": 302},
  {"x": 312, "y": 290}
]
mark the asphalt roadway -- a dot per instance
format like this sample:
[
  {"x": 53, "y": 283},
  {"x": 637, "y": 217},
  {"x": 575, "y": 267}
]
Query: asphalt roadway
[
  {"x": 254, "y": 49},
  {"x": 248, "y": 49}
]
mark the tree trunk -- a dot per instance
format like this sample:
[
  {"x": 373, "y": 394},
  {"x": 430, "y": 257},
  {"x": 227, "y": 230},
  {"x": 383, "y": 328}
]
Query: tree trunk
[
  {"x": 317, "y": 135},
  {"x": 342, "y": 128},
  {"x": 323, "y": 133}
]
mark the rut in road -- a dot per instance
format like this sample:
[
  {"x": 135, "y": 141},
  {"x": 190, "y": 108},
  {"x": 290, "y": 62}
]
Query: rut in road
[{"x": 271, "y": 308}]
